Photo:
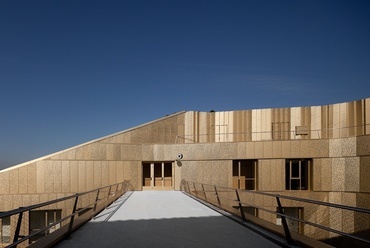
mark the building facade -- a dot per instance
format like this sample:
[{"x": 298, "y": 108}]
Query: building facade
[{"x": 318, "y": 152}]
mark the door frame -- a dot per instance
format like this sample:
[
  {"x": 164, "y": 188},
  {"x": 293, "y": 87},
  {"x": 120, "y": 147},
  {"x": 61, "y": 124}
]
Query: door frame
[{"x": 159, "y": 182}]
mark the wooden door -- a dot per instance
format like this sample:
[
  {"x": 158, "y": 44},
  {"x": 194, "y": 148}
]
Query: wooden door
[{"x": 158, "y": 176}]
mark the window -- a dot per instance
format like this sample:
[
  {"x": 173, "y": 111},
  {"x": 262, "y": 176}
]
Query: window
[
  {"x": 280, "y": 130},
  {"x": 293, "y": 225},
  {"x": 42, "y": 218},
  {"x": 297, "y": 174},
  {"x": 5, "y": 230},
  {"x": 251, "y": 210},
  {"x": 245, "y": 174},
  {"x": 248, "y": 210}
]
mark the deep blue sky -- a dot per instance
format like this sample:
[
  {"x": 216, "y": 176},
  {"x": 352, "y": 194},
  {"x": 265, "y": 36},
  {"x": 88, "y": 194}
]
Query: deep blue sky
[{"x": 72, "y": 71}]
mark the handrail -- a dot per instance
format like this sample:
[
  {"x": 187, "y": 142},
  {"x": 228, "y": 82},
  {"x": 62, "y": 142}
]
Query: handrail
[
  {"x": 328, "y": 204},
  {"x": 234, "y": 200},
  {"x": 87, "y": 210},
  {"x": 323, "y": 133}
]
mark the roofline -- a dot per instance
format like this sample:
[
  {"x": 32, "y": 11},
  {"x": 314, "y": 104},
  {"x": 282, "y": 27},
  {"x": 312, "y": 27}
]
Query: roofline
[{"x": 90, "y": 142}]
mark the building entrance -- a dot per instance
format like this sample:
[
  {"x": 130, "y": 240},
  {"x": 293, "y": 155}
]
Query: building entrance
[{"x": 158, "y": 176}]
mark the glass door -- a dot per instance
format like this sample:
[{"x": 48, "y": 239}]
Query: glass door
[
  {"x": 158, "y": 176},
  {"x": 147, "y": 176},
  {"x": 167, "y": 175}
]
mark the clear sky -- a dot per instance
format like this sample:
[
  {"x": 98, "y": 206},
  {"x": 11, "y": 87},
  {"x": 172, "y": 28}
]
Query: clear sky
[{"x": 73, "y": 71}]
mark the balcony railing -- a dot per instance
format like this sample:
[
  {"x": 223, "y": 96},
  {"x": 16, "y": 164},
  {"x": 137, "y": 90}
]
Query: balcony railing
[
  {"x": 298, "y": 132},
  {"x": 59, "y": 217},
  {"x": 315, "y": 223}
]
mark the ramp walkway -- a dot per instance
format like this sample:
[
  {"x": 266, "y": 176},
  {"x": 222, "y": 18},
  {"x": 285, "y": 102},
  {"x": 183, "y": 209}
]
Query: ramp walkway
[{"x": 162, "y": 219}]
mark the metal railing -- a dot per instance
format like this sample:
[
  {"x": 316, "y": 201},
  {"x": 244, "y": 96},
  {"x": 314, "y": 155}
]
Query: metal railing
[
  {"x": 60, "y": 217},
  {"x": 323, "y": 133},
  {"x": 315, "y": 223}
]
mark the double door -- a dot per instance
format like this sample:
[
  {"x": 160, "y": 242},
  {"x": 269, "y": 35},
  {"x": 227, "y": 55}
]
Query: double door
[{"x": 158, "y": 176}]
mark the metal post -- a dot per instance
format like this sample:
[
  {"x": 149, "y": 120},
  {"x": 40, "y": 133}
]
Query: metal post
[
  {"x": 183, "y": 185},
  {"x": 283, "y": 221},
  {"x": 117, "y": 193},
  {"x": 123, "y": 188},
  {"x": 240, "y": 205},
  {"x": 107, "y": 201},
  {"x": 218, "y": 198},
  {"x": 204, "y": 192},
  {"x": 109, "y": 191},
  {"x": 96, "y": 202},
  {"x": 68, "y": 234},
  {"x": 195, "y": 190},
  {"x": 188, "y": 187},
  {"x": 18, "y": 228}
]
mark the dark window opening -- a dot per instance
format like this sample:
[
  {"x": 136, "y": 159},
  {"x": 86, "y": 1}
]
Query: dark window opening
[
  {"x": 245, "y": 174},
  {"x": 297, "y": 174},
  {"x": 5, "y": 230},
  {"x": 43, "y": 218},
  {"x": 293, "y": 225}
]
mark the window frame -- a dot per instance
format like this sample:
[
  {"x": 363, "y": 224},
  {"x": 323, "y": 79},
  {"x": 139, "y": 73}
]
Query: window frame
[
  {"x": 238, "y": 170},
  {"x": 294, "y": 225},
  {"x": 5, "y": 228},
  {"x": 304, "y": 174},
  {"x": 50, "y": 216}
]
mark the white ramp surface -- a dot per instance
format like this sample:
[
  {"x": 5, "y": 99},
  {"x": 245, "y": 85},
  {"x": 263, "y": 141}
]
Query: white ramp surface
[{"x": 163, "y": 219}]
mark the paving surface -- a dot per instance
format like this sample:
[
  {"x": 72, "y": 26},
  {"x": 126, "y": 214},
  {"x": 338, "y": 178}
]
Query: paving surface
[{"x": 162, "y": 219}]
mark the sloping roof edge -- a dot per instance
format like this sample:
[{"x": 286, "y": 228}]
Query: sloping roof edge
[{"x": 90, "y": 142}]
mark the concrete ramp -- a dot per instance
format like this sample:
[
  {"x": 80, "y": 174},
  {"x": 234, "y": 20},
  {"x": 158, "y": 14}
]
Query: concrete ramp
[{"x": 162, "y": 219}]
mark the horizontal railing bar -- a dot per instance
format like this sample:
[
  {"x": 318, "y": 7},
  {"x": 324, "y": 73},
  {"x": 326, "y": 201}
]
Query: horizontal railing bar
[
  {"x": 328, "y": 204},
  {"x": 363, "y": 210},
  {"x": 263, "y": 209},
  {"x": 43, "y": 204},
  {"x": 276, "y": 131},
  {"x": 324, "y": 228},
  {"x": 49, "y": 226},
  {"x": 14, "y": 244},
  {"x": 112, "y": 195},
  {"x": 282, "y": 215}
]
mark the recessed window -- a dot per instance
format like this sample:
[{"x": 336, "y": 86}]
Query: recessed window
[
  {"x": 5, "y": 230},
  {"x": 245, "y": 174},
  {"x": 248, "y": 210},
  {"x": 251, "y": 210},
  {"x": 43, "y": 218},
  {"x": 280, "y": 130},
  {"x": 293, "y": 225},
  {"x": 297, "y": 174}
]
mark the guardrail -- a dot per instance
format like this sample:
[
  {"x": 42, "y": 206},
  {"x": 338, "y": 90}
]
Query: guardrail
[
  {"x": 273, "y": 134},
  {"x": 45, "y": 224},
  {"x": 313, "y": 223}
]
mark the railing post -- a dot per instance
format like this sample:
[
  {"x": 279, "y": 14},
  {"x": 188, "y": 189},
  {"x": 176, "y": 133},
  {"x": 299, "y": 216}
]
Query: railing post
[
  {"x": 123, "y": 188},
  {"x": 283, "y": 221},
  {"x": 188, "y": 187},
  {"x": 204, "y": 192},
  {"x": 68, "y": 234},
  {"x": 96, "y": 202},
  {"x": 18, "y": 228},
  {"x": 107, "y": 201},
  {"x": 218, "y": 198},
  {"x": 195, "y": 190},
  {"x": 240, "y": 205},
  {"x": 109, "y": 191},
  {"x": 118, "y": 192},
  {"x": 183, "y": 185}
]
